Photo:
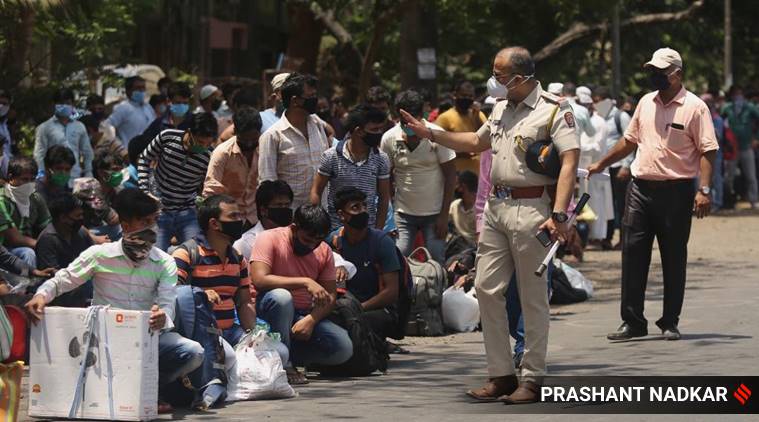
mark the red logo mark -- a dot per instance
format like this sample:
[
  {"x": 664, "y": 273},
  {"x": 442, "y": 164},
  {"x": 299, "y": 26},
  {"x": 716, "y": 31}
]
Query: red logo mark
[
  {"x": 119, "y": 318},
  {"x": 742, "y": 394}
]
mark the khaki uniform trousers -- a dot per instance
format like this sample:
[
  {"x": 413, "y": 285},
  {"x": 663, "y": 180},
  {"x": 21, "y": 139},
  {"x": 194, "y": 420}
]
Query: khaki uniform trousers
[{"x": 507, "y": 244}]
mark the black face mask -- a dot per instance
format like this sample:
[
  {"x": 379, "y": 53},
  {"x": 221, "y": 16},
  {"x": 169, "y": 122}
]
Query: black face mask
[
  {"x": 247, "y": 146},
  {"x": 76, "y": 225},
  {"x": 324, "y": 115},
  {"x": 310, "y": 104},
  {"x": 372, "y": 140},
  {"x": 359, "y": 221},
  {"x": 464, "y": 103},
  {"x": 299, "y": 248},
  {"x": 99, "y": 116},
  {"x": 458, "y": 194},
  {"x": 279, "y": 109},
  {"x": 659, "y": 81},
  {"x": 215, "y": 104},
  {"x": 232, "y": 229},
  {"x": 281, "y": 216}
]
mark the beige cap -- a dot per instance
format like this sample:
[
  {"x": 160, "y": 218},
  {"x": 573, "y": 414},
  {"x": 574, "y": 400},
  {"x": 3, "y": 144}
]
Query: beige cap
[
  {"x": 584, "y": 98},
  {"x": 555, "y": 88},
  {"x": 583, "y": 90},
  {"x": 278, "y": 80},
  {"x": 664, "y": 58},
  {"x": 207, "y": 91}
]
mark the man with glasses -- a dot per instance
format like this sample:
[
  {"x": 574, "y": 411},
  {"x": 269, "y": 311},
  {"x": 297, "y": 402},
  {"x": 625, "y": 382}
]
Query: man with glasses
[
  {"x": 292, "y": 148},
  {"x": 521, "y": 203},
  {"x": 673, "y": 134}
]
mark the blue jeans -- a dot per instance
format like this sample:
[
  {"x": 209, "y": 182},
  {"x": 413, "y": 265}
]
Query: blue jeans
[
  {"x": 514, "y": 310},
  {"x": 718, "y": 182},
  {"x": 26, "y": 254},
  {"x": 409, "y": 225},
  {"x": 183, "y": 224},
  {"x": 329, "y": 343},
  {"x": 177, "y": 357}
]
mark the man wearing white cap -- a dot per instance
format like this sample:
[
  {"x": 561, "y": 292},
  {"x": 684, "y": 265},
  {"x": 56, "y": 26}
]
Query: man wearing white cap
[
  {"x": 555, "y": 88},
  {"x": 272, "y": 114},
  {"x": 673, "y": 134},
  {"x": 582, "y": 115},
  {"x": 592, "y": 149},
  {"x": 210, "y": 99}
]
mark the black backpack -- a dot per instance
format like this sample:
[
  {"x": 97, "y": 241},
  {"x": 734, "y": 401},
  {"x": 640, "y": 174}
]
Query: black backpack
[{"x": 369, "y": 350}]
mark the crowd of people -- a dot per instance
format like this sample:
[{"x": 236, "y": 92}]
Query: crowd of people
[{"x": 117, "y": 208}]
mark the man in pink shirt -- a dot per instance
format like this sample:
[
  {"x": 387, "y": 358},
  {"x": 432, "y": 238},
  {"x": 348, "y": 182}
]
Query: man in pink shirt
[
  {"x": 294, "y": 272},
  {"x": 673, "y": 134}
]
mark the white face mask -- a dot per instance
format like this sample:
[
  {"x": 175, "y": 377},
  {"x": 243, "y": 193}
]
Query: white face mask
[
  {"x": 503, "y": 90},
  {"x": 496, "y": 89},
  {"x": 4, "y": 109},
  {"x": 20, "y": 196}
]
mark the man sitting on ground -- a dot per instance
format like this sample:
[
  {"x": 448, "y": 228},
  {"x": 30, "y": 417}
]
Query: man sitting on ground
[
  {"x": 373, "y": 253},
  {"x": 132, "y": 274},
  {"x": 62, "y": 241},
  {"x": 462, "y": 211},
  {"x": 218, "y": 268},
  {"x": 294, "y": 272},
  {"x": 23, "y": 213},
  {"x": 273, "y": 201},
  {"x": 58, "y": 163}
]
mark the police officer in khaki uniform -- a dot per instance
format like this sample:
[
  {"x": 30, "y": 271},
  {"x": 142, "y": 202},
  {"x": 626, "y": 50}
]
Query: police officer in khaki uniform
[{"x": 519, "y": 205}]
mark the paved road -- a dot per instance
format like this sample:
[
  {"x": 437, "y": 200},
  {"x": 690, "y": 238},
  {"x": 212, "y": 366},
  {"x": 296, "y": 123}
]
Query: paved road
[{"x": 720, "y": 337}]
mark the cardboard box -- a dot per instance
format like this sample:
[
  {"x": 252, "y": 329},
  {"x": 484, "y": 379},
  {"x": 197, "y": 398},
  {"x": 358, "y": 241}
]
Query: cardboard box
[{"x": 57, "y": 349}]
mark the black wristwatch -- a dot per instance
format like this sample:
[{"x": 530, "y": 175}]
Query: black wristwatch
[{"x": 559, "y": 217}]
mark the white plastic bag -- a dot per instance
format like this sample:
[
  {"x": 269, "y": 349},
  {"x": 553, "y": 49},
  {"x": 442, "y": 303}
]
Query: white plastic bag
[
  {"x": 461, "y": 312},
  {"x": 577, "y": 280},
  {"x": 258, "y": 373}
]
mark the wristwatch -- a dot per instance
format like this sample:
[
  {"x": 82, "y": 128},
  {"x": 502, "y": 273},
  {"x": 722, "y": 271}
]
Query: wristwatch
[
  {"x": 559, "y": 217},
  {"x": 706, "y": 190}
]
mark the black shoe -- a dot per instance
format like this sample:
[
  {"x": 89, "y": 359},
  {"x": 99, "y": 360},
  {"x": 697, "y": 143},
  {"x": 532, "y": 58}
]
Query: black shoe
[
  {"x": 626, "y": 332},
  {"x": 671, "y": 333}
]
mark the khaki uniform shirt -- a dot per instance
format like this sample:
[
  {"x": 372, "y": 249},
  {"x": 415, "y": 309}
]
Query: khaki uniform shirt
[{"x": 512, "y": 128}]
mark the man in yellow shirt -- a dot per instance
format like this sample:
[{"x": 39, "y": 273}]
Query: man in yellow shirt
[{"x": 463, "y": 117}]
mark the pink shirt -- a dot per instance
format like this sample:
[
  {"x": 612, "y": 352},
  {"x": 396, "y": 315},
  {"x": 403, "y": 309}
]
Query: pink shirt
[
  {"x": 483, "y": 186},
  {"x": 274, "y": 248},
  {"x": 671, "y": 137}
]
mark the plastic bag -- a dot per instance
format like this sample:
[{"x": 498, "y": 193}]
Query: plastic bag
[
  {"x": 461, "y": 312},
  {"x": 577, "y": 280},
  {"x": 258, "y": 373}
]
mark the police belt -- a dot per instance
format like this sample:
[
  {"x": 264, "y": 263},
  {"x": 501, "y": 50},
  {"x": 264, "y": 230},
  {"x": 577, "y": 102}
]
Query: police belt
[{"x": 507, "y": 192}]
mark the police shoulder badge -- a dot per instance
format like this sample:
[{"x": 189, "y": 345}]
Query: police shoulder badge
[{"x": 569, "y": 118}]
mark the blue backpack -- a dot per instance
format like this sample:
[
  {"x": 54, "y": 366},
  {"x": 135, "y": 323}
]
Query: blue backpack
[{"x": 195, "y": 320}]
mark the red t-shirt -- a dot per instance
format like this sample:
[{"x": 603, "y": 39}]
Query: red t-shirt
[{"x": 274, "y": 248}]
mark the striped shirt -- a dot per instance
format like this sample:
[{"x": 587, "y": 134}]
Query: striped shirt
[
  {"x": 179, "y": 173},
  {"x": 342, "y": 170},
  {"x": 118, "y": 281},
  {"x": 210, "y": 273}
]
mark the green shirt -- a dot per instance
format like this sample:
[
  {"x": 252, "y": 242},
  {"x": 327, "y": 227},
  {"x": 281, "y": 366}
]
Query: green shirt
[
  {"x": 32, "y": 226},
  {"x": 742, "y": 124}
]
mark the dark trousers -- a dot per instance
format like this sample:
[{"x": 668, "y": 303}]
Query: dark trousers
[
  {"x": 663, "y": 210},
  {"x": 618, "y": 193}
]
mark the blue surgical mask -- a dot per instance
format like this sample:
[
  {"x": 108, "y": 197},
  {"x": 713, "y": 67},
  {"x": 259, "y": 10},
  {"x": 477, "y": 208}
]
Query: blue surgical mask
[
  {"x": 138, "y": 97},
  {"x": 179, "y": 110},
  {"x": 162, "y": 109},
  {"x": 64, "y": 111},
  {"x": 408, "y": 130}
]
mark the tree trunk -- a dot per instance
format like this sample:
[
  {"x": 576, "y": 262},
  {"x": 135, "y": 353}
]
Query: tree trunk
[
  {"x": 19, "y": 44},
  {"x": 304, "y": 39}
]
